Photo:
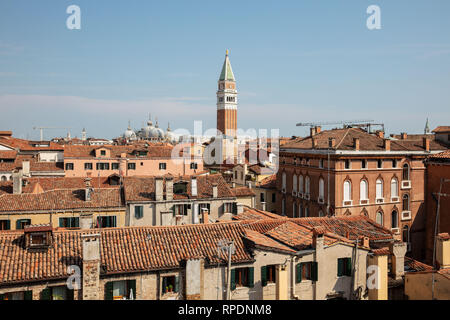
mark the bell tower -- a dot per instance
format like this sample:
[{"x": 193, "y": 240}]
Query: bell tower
[{"x": 227, "y": 101}]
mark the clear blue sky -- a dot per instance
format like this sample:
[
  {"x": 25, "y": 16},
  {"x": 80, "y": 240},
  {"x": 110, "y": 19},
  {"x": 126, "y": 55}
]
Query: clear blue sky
[{"x": 293, "y": 60}]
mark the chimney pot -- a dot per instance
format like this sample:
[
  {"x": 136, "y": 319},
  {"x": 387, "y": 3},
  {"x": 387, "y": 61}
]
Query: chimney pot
[
  {"x": 404, "y": 135},
  {"x": 356, "y": 144},
  {"x": 380, "y": 134},
  {"x": 387, "y": 144},
  {"x": 426, "y": 144},
  {"x": 17, "y": 177},
  {"x": 159, "y": 189}
]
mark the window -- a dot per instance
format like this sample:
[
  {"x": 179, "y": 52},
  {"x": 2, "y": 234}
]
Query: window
[
  {"x": 274, "y": 197},
  {"x": 114, "y": 166},
  {"x": 102, "y": 166},
  {"x": 73, "y": 222},
  {"x": 57, "y": 293},
  {"x": 268, "y": 275},
  {"x": 363, "y": 194},
  {"x": 394, "y": 219},
  {"x": 405, "y": 172},
  {"x": 180, "y": 187},
  {"x": 379, "y": 189},
  {"x": 394, "y": 163},
  {"x": 261, "y": 197},
  {"x": 19, "y": 295},
  {"x": 5, "y": 225},
  {"x": 138, "y": 212},
  {"x": 405, "y": 234},
  {"x": 294, "y": 183},
  {"x": 162, "y": 166},
  {"x": 170, "y": 284},
  {"x": 300, "y": 210},
  {"x": 69, "y": 166},
  {"x": 379, "y": 164},
  {"x": 21, "y": 223},
  {"x": 103, "y": 152},
  {"x": 379, "y": 218},
  {"x": 194, "y": 166},
  {"x": 283, "y": 181},
  {"x": 364, "y": 164},
  {"x": 120, "y": 290},
  {"x": 405, "y": 202},
  {"x": 344, "y": 267},
  {"x": 394, "y": 188},
  {"x": 321, "y": 188},
  {"x": 131, "y": 166},
  {"x": 38, "y": 239},
  {"x": 106, "y": 222},
  {"x": 347, "y": 191},
  {"x": 88, "y": 166},
  {"x": 306, "y": 271},
  {"x": 321, "y": 163},
  {"x": 229, "y": 207},
  {"x": 307, "y": 182},
  {"x": 347, "y": 164},
  {"x": 300, "y": 184},
  {"x": 321, "y": 213},
  {"x": 181, "y": 209},
  {"x": 242, "y": 277}
]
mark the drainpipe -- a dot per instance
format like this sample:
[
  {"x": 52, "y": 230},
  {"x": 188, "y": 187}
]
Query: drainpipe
[{"x": 294, "y": 296}]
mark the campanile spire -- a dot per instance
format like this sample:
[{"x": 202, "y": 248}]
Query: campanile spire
[{"x": 227, "y": 100}]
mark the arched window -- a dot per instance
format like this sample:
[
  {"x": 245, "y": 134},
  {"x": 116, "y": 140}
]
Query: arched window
[
  {"x": 300, "y": 183},
  {"x": 3, "y": 178},
  {"x": 283, "y": 180},
  {"x": 405, "y": 234},
  {"x": 379, "y": 189},
  {"x": 363, "y": 190},
  {"x": 405, "y": 172},
  {"x": 347, "y": 190},
  {"x": 394, "y": 188},
  {"x": 307, "y": 184},
  {"x": 321, "y": 188},
  {"x": 294, "y": 209},
  {"x": 379, "y": 218},
  {"x": 405, "y": 202},
  {"x": 394, "y": 219},
  {"x": 294, "y": 183}
]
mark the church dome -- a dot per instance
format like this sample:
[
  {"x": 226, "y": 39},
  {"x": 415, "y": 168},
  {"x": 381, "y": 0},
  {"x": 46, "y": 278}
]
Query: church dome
[
  {"x": 129, "y": 134},
  {"x": 170, "y": 136}
]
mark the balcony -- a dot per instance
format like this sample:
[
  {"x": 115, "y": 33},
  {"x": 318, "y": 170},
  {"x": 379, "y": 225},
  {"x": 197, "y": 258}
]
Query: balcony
[
  {"x": 300, "y": 195},
  {"x": 406, "y": 215},
  {"x": 406, "y": 184}
]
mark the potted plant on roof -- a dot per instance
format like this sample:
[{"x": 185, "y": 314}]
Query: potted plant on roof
[{"x": 170, "y": 288}]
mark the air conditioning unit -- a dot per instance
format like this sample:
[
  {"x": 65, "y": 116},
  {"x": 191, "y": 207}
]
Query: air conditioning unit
[
  {"x": 406, "y": 184},
  {"x": 406, "y": 215},
  {"x": 348, "y": 203},
  {"x": 306, "y": 196},
  {"x": 364, "y": 201},
  {"x": 395, "y": 199},
  {"x": 379, "y": 200},
  {"x": 320, "y": 200}
]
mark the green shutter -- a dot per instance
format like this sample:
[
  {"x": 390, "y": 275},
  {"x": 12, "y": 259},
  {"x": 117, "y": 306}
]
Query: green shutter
[
  {"x": 177, "y": 284},
  {"x": 46, "y": 294},
  {"x": 264, "y": 276},
  {"x": 233, "y": 279},
  {"x": 314, "y": 271},
  {"x": 234, "y": 207},
  {"x": 18, "y": 224},
  {"x": 251, "y": 277},
  {"x": 61, "y": 222},
  {"x": 349, "y": 266},
  {"x": 8, "y": 224},
  {"x": 298, "y": 273},
  {"x": 114, "y": 221},
  {"x": 340, "y": 269},
  {"x": 69, "y": 294},
  {"x": 131, "y": 286},
  {"x": 77, "y": 222},
  {"x": 109, "y": 291},
  {"x": 28, "y": 295}
]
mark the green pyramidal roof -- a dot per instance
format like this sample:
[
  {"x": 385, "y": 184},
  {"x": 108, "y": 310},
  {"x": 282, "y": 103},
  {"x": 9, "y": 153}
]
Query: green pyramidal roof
[{"x": 227, "y": 72}]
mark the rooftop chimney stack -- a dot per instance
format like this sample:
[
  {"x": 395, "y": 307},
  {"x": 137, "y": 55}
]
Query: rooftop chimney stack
[
  {"x": 380, "y": 134},
  {"x": 356, "y": 143},
  {"x": 312, "y": 131},
  {"x": 398, "y": 251},
  {"x": 331, "y": 142},
  {"x": 404, "y": 135},
  {"x": 17, "y": 177},
  {"x": 159, "y": 189},
  {"x": 91, "y": 266},
  {"x": 214, "y": 190},
  {"x": 443, "y": 250},
  {"x": 194, "y": 186},
  {"x": 318, "y": 234},
  {"x": 88, "y": 189},
  {"x": 169, "y": 188},
  {"x": 318, "y": 129},
  {"x": 26, "y": 168},
  {"x": 205, "y": 216},
  {"x": 426, "y": 143},
  {"x": 387, "y": 144}
]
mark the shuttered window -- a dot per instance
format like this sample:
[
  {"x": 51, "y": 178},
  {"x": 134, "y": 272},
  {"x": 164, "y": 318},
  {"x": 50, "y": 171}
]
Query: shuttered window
[
  {"x": 138, "y": 212},
  {"x": 344, "y": 267},
  {"x": 242, "y": 277}
]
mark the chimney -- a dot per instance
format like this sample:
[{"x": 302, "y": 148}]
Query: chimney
[
  {"x": 195, "y": 279},
  {"x": 364, "y": 241},
  {"x": 312, "y": 131},
  {"x": 404, "y": 135},
  {"x": 387, "y": 144},
  {"x": 17, "y": 181},
  {"x": 240, "y": 208},
  {"x": 86, "y": 220},
  {"x": 233, "y": 184},
  {"x": 398, "y": 251},
  {"x": 91, "y": 266},
  {"x": 314, "y": 142},
  {"x": 443, "y": 250},
  {"x": 194, "y": 186},
  {"x": 380, "y": 134},
  {"x": 249, "y": 184},
  {"x": 205, "y": 216},
  {"x": 169, "y": 188},
  {"x": 331, "y": 142},
  {"x": 214, "y": 190},
  {"x": 318, "y": 233},
  {"x": 356, "y": 143},
  {"x": 88, "y": 189},
  {"x": 318, "y": 129},
  {"x": 159, "y": 189},
  {"x": 426, "y": 144},
  {"x": 26, "y": 168}
]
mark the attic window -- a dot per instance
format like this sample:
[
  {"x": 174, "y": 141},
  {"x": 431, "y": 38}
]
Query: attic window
[
  {"x": 103, "y": 152},
  {"x": 180, "y": 188}
]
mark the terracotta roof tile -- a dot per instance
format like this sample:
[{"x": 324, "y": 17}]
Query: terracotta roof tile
[{"x": 242, "y": 192}]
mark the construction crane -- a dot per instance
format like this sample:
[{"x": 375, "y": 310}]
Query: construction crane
[
  {"x": 42, "y": 128},
  {"x": 347, "y": 123}
]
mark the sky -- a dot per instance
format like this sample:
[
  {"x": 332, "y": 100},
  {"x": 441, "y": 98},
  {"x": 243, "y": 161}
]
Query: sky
[{"x": 294, "y": 61}]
